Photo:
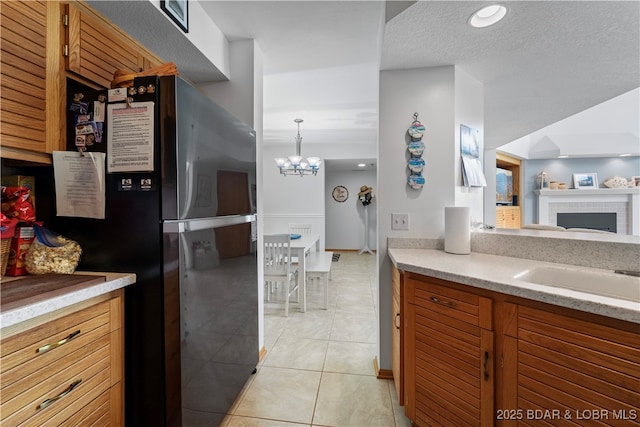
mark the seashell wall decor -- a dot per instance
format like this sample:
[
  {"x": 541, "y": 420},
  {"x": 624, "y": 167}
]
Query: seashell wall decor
[{"x": 415, "y": 146}]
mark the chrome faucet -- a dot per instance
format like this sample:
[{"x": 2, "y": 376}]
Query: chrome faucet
[{"x": 628, "y": 272}]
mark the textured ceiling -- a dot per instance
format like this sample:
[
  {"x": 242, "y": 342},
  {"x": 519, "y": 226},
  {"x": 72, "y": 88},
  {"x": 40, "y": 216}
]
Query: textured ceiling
[{"x": 545, "y": 61}]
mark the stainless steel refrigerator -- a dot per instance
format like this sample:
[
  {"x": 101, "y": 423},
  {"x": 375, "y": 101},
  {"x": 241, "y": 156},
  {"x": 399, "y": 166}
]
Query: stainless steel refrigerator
[{"x": 181, "y": 215}]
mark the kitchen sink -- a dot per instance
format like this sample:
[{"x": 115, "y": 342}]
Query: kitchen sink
[{"x": 604, "y": 283}]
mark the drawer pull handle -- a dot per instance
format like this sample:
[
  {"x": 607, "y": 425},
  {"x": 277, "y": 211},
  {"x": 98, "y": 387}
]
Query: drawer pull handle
[
  {"x": 51, "y": 346},
  {"x": 439, "y": 301},
  {"x": 61, "y": 395},
  {"x": 397, "y": 322}
]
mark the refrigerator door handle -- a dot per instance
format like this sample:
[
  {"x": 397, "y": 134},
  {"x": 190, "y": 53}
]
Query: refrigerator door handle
[{"x": 179, "y": 226}]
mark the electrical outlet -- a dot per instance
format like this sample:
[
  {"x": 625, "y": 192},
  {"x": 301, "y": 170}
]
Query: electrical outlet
[{"x": 400, "y": 221}]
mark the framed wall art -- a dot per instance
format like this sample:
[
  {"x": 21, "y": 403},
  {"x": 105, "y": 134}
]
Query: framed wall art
[
  {"x": 585, "y": 180},
  {"x": 178, "y": 11}
]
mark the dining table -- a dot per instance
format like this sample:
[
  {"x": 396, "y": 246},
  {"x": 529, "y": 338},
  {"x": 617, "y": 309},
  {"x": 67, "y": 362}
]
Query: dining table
[{"x": 301, "y": 246}]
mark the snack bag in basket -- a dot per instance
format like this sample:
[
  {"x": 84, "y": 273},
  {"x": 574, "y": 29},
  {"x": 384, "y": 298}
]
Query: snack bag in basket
[{"x": 52, "y": 253}]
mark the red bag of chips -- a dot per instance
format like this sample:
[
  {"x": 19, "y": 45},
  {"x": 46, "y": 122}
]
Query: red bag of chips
[{"x": 16, "y": 204}]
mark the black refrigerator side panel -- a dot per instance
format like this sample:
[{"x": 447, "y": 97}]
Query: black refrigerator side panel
[{"x": 168, "y": 147}]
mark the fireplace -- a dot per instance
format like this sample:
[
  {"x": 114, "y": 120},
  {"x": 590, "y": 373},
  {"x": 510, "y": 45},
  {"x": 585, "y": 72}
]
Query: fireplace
[
  {"x": 604, "y": 221},
  {"x": 620, "y": 205}
]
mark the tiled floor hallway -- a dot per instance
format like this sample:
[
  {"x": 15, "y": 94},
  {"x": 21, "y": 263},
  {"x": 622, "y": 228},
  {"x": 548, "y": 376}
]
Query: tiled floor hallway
[{"x": 318, "y": 370}]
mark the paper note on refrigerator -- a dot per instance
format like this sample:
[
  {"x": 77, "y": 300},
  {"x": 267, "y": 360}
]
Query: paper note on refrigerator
[
  {"x": 80, "y": 186},
  {"x": 130, "y": 137}
]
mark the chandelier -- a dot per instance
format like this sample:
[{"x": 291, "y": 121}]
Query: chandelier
[{"x": 297, "y": 165}]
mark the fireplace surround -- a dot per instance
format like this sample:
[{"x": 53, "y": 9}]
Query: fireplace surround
[{"x": 624, "y": 202}]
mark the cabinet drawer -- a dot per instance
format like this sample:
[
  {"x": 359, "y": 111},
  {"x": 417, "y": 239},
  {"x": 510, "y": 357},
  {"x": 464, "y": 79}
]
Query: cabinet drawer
[
  {"x": 66, "y": 392},
  {"x": 455, "y": 304},
  {"x": 25, "y": 377},
  {"x": 62, "y": 336}
]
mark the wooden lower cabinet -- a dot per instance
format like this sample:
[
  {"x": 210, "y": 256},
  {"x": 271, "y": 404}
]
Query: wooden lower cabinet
[
  {"x": 65, "y": 368},
  {"x": 449, "y": 355},
  {"x": 565, "y": 370},
  {"x": 397, "y": 335},
  {"x": 508, "y": 217},
  {"x": 474, "y": 357}
]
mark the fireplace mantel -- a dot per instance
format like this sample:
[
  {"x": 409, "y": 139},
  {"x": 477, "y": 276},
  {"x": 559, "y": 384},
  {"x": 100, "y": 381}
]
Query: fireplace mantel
[{"x": 594, "y": 200}]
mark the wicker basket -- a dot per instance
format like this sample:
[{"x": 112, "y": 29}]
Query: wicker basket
[{"x": 5, "y": 245}]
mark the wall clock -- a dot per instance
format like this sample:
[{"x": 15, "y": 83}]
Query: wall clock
[{"x": 340, "y": 193}]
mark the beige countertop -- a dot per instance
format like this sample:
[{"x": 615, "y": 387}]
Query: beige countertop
[
  {"x": 58, "y": 297},
  {"x": 496, "y": 273}
]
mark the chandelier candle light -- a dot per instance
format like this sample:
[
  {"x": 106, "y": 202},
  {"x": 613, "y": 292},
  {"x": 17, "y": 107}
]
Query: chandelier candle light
[{"x": 297, "y": 165}]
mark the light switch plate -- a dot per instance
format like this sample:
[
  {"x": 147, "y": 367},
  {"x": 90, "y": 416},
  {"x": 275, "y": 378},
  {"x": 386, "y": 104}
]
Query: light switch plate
[{"x": 399, "y": 221}]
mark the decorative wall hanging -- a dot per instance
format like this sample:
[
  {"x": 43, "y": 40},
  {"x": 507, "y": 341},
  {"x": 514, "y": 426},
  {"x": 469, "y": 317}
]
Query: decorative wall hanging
[
  {"x": 340, "y": 193},
  {"x": 366, "y": 197},
  {"x": 415, "y": 147},
  {"x": 472, "y": 175}
]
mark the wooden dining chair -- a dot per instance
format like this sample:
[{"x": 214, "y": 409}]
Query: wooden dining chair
[
  {"x": 278, "y": 268},
  {"x": 300, "y": 228}
]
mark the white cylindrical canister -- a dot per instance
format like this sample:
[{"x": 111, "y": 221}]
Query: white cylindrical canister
[{"x": 457, "y": 230}]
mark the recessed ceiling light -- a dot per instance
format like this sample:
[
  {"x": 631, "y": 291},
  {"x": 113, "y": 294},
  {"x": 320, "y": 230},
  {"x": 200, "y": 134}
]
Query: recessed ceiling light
[
  {"x": 563, "y": 156},
  {"x": 625, "y": 155},
  {"x": 361, "y": 165},
  {"x": 488, "y": 15}
]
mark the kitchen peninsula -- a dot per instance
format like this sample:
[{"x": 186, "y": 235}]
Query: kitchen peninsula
[{"x": 480, "y": 341}]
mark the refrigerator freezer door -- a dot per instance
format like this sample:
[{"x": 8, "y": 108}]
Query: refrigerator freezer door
[{"x": 216, "y": 158}]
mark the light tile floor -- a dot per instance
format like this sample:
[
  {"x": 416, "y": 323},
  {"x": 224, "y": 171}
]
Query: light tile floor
[{"x": 319, "y": 369}]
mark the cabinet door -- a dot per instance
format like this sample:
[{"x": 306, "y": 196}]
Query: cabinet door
[
  {"x": 95, "y": 49},
  {"x": 500, "y": 218},
  {"x": 451, "y": 376},
  {"x": 23, "y": 87},
  {"x": 517, "y": 223},
  {"x": 397, "y": 335},
  {"x": 569, "y": 368},
  {"x": 512, "y": 215}
]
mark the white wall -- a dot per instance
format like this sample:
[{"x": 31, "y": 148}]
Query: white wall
[
  {"x": 432, "y": 93},
  {"x": 205, "y": 35},
  {"x": 469, "y": 111},
  {"x": 301, "y": 199},
  {"x": 312, "y": 93},
  {"x": 345, "y": 220},
  {"x": 238, "y": 95}
]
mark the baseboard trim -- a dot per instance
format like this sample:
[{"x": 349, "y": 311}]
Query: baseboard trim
[
  {"x": 262, "y": 354},
  {"x": 346, "y": 250},
  {"x": 381, "y": 374}
]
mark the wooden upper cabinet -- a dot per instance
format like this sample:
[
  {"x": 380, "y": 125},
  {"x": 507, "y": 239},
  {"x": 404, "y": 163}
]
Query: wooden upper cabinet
[
  {"x": 95, "y": 49},
  {"x": 42, "y": 43},
  {"x": 29, "y": 81}
]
